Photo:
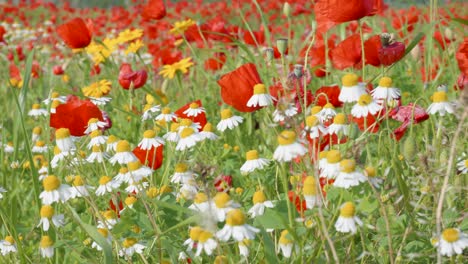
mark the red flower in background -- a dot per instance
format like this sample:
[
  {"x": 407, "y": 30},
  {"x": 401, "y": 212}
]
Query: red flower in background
[
  {"x": 152, "y": 157},
  {"x": 200, "y": 118},
  {"x": 340, "y": 11},
  {"x": 223, "y": 183},
  {"x": 347, "y": 53},
  {"x": 238, "y": 86},
  {"x": 329, "y": 93},
  {"x": 371, "y": 50},
  {"x": 462, "y": 57},
  {"x": 58, "y": 70},
  {"x": 409, "y": 114},
  {"x": 256, "y": 38},
  {"x": 462, "y": 82},
  {"x": 369, "y": 123},
  {"x": 298, "y": 202},
  {"x": 15, "y": 72},
  {"x": 2, "y": 33},
  {"x": 127, "y": 77},
  {"x": 154, "y": 9},
  {"x": 390, "y": 52},
  {"x": 216, "y": 62},
  {"x": 75, "y": 33},
  {"x": 74, "y": 114}
]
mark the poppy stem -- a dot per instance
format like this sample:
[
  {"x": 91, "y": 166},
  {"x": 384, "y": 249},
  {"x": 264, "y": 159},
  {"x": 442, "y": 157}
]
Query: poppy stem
[{"x": 363, "y": 54}]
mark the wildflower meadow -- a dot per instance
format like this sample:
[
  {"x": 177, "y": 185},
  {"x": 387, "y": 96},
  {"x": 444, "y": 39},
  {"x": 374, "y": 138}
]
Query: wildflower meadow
[{"x": 244, "y": 131}]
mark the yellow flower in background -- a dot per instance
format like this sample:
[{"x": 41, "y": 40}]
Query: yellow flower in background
[
  {"x": 169, "y": 71},
  {"x": 134, "y": 46},
  {"x": 129, "y": 35},
  {"x": 181, "y": 26},
  {"x": 97, "y": 89},
  {"x": 101, "y": 51}
]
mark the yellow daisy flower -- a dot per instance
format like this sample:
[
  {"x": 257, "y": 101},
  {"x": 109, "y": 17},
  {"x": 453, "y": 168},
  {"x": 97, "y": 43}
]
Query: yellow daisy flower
[
  {"x": 181, "y": 26},
  {"x": 129, "y": 35},
  {"x": 169, "y": 71},
  {"x": 134, "y": 46},
  {"x": 97, "y": 89}
]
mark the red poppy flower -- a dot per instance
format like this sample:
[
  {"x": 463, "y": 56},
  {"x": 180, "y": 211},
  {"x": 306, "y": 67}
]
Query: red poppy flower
[
  {"x": 216, "y": 62},
  {"x": 462, "y": 82},
  {"x": 371, "y": 50},
  {"x": 152, "y": 157},
  {"x": 58, "y": 70},
  {"x": 223, "y": 183},
  {"x": 256, "y": 38},
  {"x": 2, "y": 33},
  {"x": 329, "y": 93},
  {"x": 298, "y": 202},
  {"x": 200, "y": 118},
  {"x": 154, "y": 9},
  {"x": 340, "y": 11},
  {"x": 390, "y": 53},
  {"x": 95, "y": 70},
  {"x": 15, "y": 72},
  {"x": 128, "y": 77},
  {"x": 462, "y": 57},
  {"x": 238, "y": 86},
  {"x": 75, "y": 33},
  {"x": 74, "y": 114},
  {"x": 369, "y": 123},
  {"x": 118, "y": 201},
  {"x": 347, "y": 53}
]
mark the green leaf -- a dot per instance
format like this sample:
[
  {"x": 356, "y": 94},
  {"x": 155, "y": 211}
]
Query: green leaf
[
  {"x": 367, "y": 206},
  {"x": 272, "y": 219},
  {"x": 461, "y": 21},
  {"x": 269, "y": 247}
]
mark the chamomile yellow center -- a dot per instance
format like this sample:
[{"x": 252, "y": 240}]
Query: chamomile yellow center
[
  {"x": 36, "y": 106},
  {"x": 130, "y": 200},
  {"x": 226, "y": 113},
  {"x": 315, "y": 110},
  {"x": 186, "y": 132},
  {"x": 385, "y": 82},
  {"x": 123, "y": 146},
  {"x": 47, "y": 211},
  {"x": 62, "y": 133},
  {"x": 40, "y": 143},
  {"x": 51, "y": 183},
  {"x": 251, "y": 155},
  {"x": 350, "y": 80},
  {"x": 466, "y": 163},
  {"x": 96, "y": 148},
  {"x": 333, "y": 156},
  {"x": 439, "y": 97},
  {"x": 134, "y": 165},
  {"x": 123, "y": 170},
  {"x": 329, "y": 106},
  {"x": 195, "y": 233},
  {"x": 339, "y": 119},
  {"x": 55, "y": 95},
  {"x": 181, "y": 167},
  {"x": 286, "y": 137},
  {"x": 104, "y": 232},
  {"x": 147, "y": 107},
  {"x": 129, "y": 241},
  {"x": 111, "y": 139},
  {"x": 175, "y": 127},
  {"x": 221, "y": 199},
  {"x": 10, "y": 239},
  {"x": 208, "y": 127},
  {"x": 258, "y": 197},
  {"x": 284, "y": 238},
  {"x": 194, "y": 105},
  {"x": 235, "y": 217},
  {"x": 165, "y": 189},
  {"x": 54, "y": 104},
  {"x": 46, "y": 242},
  {"x": 323, "y": 154},
  {"x": 365, "y": 99},
  {"x": 95, "y": 133},
  {"x": 309, "y": 187},
  {"x": 348, "y": 210},
  {"x": 104, "y": 180},
  {"x": 204, "y": 236},
  {"x": 149, "y": 134},
  {"x": 260, "y": 88},
  {"x": 78, "y": 181},
  {"x": 185, "y": 122},
  {"x": 451, "y": 235},
  {"x": 92, "y": 121},
  {"x": 311, "y": 121},
  {"x": 166, "y": 111},
  {"x": 57, "y": 150},
  {"x": 109, "y": 214},
  {"x": 37, "y": 130},
  {"x": 348, "y": 165},
  {"x": 200, "y": 198},
  {"x": 370, "y": 171}
]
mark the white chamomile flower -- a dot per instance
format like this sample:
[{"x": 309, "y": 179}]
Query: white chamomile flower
[
  {"x": 285, "y": 244},
  {"x": 37, "y": 111},
  {"x": 207, "y": 132},
  {"x": 260, "y": 97},
  {"x": 39, "y": 147},
  {"x": 54, "y": 105},
  {"x": 64, "y": 140},
  {"x": 339, "y": 126},
  {"x": 111, "y": 143},
  {"x": 452, "y": 241},
  {"x": 349, "y": 176},
  {"x": 79, "y": 188},
  {"x": 123, "y": 176},
  {"x": 131, "y": 246},
  {"x": 123, "y": 154},
  {"x": 36, "y": 133},
  {"x": 60, "y": 156},
  {"x": 371, "y": 173},
  {"x": 222, "y": 204},
  {"x": 228, "y": 120},
  {"x": 194, "y": 110},
  {"x": 172, "y": 135},
  {"x": 236, "y": 227},
  {"x": 188, "y": 190},
  {"x": 54, "y": 191},
  {"x": 260, "y": 203},
  {"x": 288, "y": 148},
  {"x": 97, "y": 139},
  {"x": 106, "y": 185},
  {"x": 330, "y": 167},
  {"x": 313, "y": 128},
  {"x": 7, "y": 246},
  {"x": 206, "y": 243},
  {"x": 244, "y": 247},
  {"x": 93, "y": 125},
  {"x": 110, "y": 219},
  {"x": 188, "y": 139},
  {"x": 200, "y": 203},
  {"x": 149, "y": 110},
  {"x": 440, "y": 104},
  {"x": 107, "y": 236},
  {"x": 365, "y": 106},
  {"x": 253, "y": 162},
  {"x": 47, "y": 247},
  {"x": 136, "y": 187},
  {"x": 462, "y": 166},
  {"x": 138, "y": 171},
  {"x": 194, "y": 234},
  {"x": 309, "y": 190},
  {"x": 55, "y": 96},
  {"x": 103, "y": 100},
  {"x": 8, "y": 147},
  {"x": 283, "y": 111},
  {"x": 150, "y": 140},
  {"x": 185, "y": 122},
  {"x": 166, "y": 115},
  {"x": 385, "y": 91},
  {"x": 352, "y": 89},
  {"x": 328, "y": 112},
  {"x": 347, "y": 220},
  {"x": 97, "y": 155},
  {"x": 48, "y": 215},
  {"x": 182, "y": 174}
]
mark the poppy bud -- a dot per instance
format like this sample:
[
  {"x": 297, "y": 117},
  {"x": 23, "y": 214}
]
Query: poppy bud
[
  {"x": 58, "y": 70},
  {"x": 298, "y": 70},
  {"x": 282, "y": 45},
  {"x": 409, "y": 148},
  {"x": 287, "y": 9},
  {"x": 391, "y": 51}
]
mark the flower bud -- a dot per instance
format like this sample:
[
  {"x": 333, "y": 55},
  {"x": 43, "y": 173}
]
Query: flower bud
[
  {"x": 287, "y": 9},
  {"x": 282, "y": 45}
]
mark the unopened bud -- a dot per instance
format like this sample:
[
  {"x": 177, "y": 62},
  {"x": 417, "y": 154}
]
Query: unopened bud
[
  {"x": 282, "y": 45},
  {"x": 298, "y": 70},
  {"x": 409, "y": 148},
  {"x": 287, "y": 9}
]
